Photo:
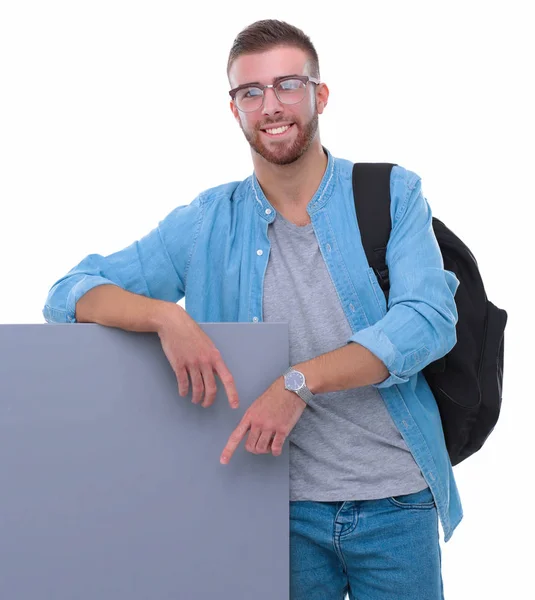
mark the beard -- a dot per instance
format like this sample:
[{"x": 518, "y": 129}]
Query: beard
[{"x": 284, "y": 153}]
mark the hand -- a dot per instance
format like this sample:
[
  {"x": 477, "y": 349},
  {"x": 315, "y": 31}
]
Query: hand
[
  {"x": 270, "y": 419},
  {"x": 191, "y": 352}
]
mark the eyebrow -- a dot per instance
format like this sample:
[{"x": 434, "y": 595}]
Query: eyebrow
[{"x": 272, "y": 81}]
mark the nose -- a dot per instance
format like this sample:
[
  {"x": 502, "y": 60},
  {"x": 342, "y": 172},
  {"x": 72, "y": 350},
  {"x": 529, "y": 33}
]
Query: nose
[{"x": 272, "y": 104}]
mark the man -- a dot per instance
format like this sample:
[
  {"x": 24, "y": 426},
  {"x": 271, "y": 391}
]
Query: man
[{"x": 370, "y": 474}]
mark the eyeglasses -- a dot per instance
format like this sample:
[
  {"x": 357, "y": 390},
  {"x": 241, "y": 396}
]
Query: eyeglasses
[{"x": 289, "y": 90}]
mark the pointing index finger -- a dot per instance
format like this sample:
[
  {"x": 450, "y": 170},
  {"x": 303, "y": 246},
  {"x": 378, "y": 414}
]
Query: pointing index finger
[{"x": 234, "y": 441}]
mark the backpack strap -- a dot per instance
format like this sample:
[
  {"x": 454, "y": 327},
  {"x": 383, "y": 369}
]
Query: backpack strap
[{"x": 371, "y": 193}]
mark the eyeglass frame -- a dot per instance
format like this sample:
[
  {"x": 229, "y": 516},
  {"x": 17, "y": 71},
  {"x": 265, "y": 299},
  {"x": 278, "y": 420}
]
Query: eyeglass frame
[{"x": 303, "y": 78}]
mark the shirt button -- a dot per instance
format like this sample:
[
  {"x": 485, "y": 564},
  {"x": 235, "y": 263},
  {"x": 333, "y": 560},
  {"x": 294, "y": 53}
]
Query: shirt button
[
  {"x": 328, "y": 246},
  {"x": 255, "y": 319},
  {"x": 352, "y": 308},
  {"x": 268, "y": 211},
  {"x": 260, "y": 252}
]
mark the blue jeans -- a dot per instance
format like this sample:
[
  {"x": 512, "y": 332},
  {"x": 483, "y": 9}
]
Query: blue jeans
[{"x": 384, "y": 549}]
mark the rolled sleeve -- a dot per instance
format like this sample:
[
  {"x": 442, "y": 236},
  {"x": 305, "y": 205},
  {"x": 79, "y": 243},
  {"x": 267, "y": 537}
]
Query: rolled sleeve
[
  {"x": 55, "y": 314},
  {"x": 375, "y": 340},
  {"x": 420, "y": 324},
  {"x": 155, "y": 266}
]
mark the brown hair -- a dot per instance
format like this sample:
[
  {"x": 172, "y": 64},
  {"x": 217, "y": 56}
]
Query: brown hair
[{"x": 269, "y": 33}]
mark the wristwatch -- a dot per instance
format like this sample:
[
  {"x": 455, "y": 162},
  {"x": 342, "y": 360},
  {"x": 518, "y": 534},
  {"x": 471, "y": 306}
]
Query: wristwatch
[{"x": 294, "y": 381}]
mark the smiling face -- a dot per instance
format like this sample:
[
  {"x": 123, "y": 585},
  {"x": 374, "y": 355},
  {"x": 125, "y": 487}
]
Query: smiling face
[{"x": 279, "y": 133}]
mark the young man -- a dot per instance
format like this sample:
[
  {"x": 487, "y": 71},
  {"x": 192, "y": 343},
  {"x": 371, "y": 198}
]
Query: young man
[{"x": 370, "y": 473}]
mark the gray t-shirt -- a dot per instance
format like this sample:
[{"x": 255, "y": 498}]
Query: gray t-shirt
[{"x": 345, "y": 446}]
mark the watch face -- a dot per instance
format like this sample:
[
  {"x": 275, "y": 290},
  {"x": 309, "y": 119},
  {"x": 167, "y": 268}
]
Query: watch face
[{"x": 294, "y": 380}]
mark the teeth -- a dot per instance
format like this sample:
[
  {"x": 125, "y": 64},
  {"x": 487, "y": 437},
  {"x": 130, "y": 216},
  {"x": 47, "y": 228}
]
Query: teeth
[{"x": 278, "y": 130}]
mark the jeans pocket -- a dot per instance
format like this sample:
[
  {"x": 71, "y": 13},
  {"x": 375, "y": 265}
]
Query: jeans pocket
[{"x": 421, "y": 500}]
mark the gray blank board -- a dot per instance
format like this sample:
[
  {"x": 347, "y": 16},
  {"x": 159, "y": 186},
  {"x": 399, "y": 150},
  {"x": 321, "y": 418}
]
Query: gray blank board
[{"x": 111, "y": 485}]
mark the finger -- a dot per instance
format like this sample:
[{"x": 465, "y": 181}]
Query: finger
[
  {"x": 210, "y": 386},
  {"x": 197, "y": 385},
  {"x": 183, "y": 381},
  {"x": 254, "y": 434},
  {"x": 277, "y": 444},
  {"x": 228, "y": 382},
  {"x": 264, "y": 442},
  {"x": 234, "y": 441}
]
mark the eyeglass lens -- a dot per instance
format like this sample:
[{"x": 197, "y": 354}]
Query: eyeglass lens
[{"x": 289, "y": 91}]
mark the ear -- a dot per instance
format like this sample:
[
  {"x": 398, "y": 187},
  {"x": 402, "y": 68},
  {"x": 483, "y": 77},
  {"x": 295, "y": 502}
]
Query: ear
[
  {"x": 322, "y": 97},
  {"x": 235, "y": 111}
]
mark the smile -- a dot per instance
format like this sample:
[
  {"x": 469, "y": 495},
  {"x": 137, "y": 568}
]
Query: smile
[{"x": 277, "y": 131}]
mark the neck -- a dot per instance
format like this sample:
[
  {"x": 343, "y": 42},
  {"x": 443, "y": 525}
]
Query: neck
[{"x": 289, "y": 188}]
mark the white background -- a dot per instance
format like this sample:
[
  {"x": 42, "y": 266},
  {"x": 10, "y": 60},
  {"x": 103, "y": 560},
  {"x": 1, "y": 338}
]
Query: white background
[{"x": 112, "y": 113}]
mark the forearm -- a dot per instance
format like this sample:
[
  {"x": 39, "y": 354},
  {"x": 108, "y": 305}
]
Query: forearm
[
  {"x": 113, "y": 306},
  {"x": 345, "y": 368}
]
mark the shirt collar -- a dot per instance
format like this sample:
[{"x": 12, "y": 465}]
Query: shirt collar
[{"x": 320, "y": 198}]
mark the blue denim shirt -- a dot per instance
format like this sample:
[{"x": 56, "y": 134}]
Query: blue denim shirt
[{"x": 215, "y": 250}]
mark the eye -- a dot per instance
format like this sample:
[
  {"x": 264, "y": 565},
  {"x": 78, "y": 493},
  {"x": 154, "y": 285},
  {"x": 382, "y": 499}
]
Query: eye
[
  {"x": 252, "y": 92},
  {"x": 290, "y": 84}
]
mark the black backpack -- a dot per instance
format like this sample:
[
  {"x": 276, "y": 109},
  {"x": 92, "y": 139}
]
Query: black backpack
[{"x": 467, "y": 382}]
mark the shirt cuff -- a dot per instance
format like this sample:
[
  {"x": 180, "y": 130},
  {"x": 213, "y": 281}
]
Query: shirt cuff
[
  {"x": 377, "y": 342},
  {"x": 81, "y": 288}
]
